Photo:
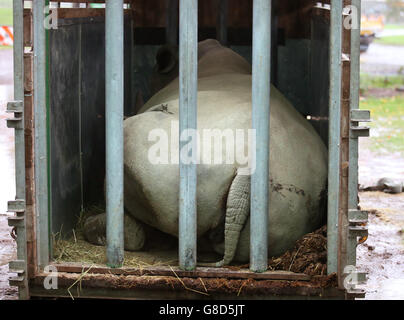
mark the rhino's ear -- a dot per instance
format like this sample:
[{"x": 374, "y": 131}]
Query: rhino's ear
[{"x": 167, "y": 58}]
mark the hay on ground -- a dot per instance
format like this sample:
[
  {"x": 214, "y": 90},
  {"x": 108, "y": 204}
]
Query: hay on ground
[{"x": 309, "y": 255}]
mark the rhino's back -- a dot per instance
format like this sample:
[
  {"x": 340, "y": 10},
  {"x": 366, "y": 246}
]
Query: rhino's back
[
  {"x": 298, "y": 157},
  {"x": 297, "y": 161},
  {"x": 156, "y": 186}
]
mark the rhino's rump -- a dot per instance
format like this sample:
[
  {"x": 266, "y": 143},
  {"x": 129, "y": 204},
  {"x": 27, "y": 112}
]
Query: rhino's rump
[{"x": 298, "y": 158}]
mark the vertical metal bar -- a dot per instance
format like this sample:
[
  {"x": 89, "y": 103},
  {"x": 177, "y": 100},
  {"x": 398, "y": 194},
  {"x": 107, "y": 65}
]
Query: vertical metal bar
[
  {"x": 334, "y": 134},
  {"x": 172, "y": 22},
  {"x": 79, "y": 72},
  {"x": 353, "y": 142},
  {"x": 41, "y": 156},
  {"x": 114, "y": 73},
  {"x": 221, "y": 25},
  {"x": 274, "y": 49},
  {"x": 18, "y": 47},
  {"x": 188, "y": 122},
  {"x": 260, "y": 123},
  {"x": 134, "y": 91}
]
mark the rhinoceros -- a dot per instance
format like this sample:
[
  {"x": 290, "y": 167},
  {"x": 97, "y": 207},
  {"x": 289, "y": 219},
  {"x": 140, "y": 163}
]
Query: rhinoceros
[{"x": 298, "y": 165}]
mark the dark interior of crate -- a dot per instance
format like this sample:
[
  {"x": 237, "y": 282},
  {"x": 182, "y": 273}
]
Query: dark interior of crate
[{"x": 300, "y": 70}]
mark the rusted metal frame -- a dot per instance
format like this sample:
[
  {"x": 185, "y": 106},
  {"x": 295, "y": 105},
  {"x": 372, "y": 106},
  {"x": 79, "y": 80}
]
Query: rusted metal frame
[
  {"x": 348, "y": 233},
  {"x": 139, "y": 294},
  {"x": 343, "y": 223},
  {"x": 28, "y": 28},
  {"x": 197, "y": 273},
  {"x": 158, "y": 287},
  {"x": 29, "y": 146},
  {"x": 71, "y": 13}
]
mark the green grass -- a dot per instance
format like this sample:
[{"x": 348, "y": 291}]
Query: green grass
[
  {"x": 386, "y": 82},
  {"x": 391, "y": 40},
  {"x": 5, "y": 47},
  {"x": 387, "y": 126},
  {"x": 6, "y": 17}
]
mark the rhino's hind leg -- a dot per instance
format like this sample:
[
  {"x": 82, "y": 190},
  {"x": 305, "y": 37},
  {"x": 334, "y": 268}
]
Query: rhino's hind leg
[
  {"x": 237, "y": 212},
  {"x": 95, "y": 232}
]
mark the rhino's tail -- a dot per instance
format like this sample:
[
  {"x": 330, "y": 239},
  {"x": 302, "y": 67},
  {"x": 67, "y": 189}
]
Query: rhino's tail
[{"x": 237, "y": 212}]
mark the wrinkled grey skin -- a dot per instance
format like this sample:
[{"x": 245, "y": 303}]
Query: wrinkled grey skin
[{"x": 298, "y": 163}]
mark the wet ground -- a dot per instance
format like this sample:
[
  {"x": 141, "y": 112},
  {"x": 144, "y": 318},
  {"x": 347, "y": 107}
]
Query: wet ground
[
  {"x": 391, "y": 32},
  {"x": 373, "y": 167},
  {"x": 7, "y": 253},
  {"x": 383, "y": 60},
  {"x": 7, "y": 184},
  {"x": 382, "y": 255}
]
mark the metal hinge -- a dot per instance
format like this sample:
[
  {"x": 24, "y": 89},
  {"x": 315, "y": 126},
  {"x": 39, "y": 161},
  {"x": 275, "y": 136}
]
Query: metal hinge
[
  {"x": 356, "y": 117},
  {"x": 358, "y": 221},
  {"x": 18, "y": 281},
  {"x": 18, "y": 267},
  {"x": 17, "y": 206},
  {"x": 359, "y": 277},
  {"x": 356, "y": 293},
  {"x": 17, "y": 221},
  {"x": 353, "y": 278},
  {"x": 16, "y": 107}
]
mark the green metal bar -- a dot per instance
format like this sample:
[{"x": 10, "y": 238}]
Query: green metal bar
[
  {"x": 40, "y": 115},
  {"x": 187, "y": 123},
  {"x": 353, "y": 142},
  {"x": 260, "y": 123},
  {"x": 18, "y": 48},
  {"x": 48, "y": 138},
  {"x": 114, "y": 73},
  {"x": 18, "y": 29},
  {"x": 334, "y": 134}
]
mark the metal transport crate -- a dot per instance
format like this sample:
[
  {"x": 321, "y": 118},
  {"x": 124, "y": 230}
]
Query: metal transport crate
[{"x": 78, "y": 71}]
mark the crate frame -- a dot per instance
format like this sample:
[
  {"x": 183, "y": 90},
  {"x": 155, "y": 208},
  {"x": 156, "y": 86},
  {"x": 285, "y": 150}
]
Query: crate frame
[{"x": 33, "y": 195}]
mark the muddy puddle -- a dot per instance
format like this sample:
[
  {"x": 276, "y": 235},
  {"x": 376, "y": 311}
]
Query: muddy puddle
[
  {"x": 373, "y": 167},
  {"x": 382, "y": 256},
  {"x": 7, "y": 253},
  {"x": 7, "y": 185}
]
